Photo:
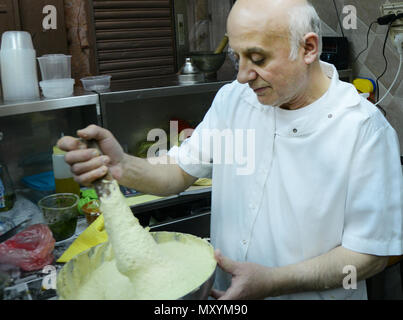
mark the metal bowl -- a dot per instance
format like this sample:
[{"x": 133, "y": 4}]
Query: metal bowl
[
  {"x": 208, "y": 62},
  {"x": 75, "y": 272}
]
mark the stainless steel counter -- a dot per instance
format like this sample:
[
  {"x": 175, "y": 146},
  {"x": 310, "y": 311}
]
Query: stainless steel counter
[
  {"x": 158, "y": 89},
  {"x": 134, "y": 91},
  {"x": 80, "y": 98}
]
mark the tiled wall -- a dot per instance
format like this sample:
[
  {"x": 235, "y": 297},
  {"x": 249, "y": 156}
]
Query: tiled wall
[{"x": 371, "y": 63}]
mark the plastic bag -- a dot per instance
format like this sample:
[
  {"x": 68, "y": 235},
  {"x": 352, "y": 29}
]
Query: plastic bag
[{"x": 31, "y": 249}]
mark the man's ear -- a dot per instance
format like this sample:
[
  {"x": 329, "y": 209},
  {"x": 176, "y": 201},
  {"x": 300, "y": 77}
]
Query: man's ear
[{"x": 311, "y": 47}]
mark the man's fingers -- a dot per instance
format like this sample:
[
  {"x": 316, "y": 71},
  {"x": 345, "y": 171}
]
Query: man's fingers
[
  {"x": 75, "y": 156},
  {"x": 95, "y": 163},
  {"x": 225, "y": 263},
  {"x": 69, "y": 143},
  {"x": 87, "y": 178},
  {"x": 216, "y": 294},
  {"x": 230, "y": 294},
  {"x": 94, "y": 132}
]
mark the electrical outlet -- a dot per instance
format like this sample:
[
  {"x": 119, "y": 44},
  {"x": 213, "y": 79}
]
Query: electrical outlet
[{"x": 394, "y": 8}]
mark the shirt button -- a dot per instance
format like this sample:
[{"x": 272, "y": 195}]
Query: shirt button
[
  {"x": 244, "y": 242},
  {"x": 294, "y": 130},
  {"x": 330, "y": 116}
]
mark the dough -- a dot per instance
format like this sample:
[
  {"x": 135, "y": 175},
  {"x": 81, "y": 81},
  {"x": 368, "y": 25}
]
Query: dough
[{"x": 137, "y": 267}]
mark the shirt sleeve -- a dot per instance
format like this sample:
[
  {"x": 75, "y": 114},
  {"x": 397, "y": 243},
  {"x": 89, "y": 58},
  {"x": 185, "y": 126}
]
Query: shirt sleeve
[
  {"x": 373, "y": 219},
  {"x": 194, "y": 155}
]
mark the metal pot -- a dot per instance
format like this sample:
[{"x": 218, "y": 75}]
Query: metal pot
[
  {"x": 208, "y": 62},
  {"x": 74, "y": 272}
]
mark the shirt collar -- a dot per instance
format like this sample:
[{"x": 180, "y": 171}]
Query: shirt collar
[{"x": 305, "y": 120}]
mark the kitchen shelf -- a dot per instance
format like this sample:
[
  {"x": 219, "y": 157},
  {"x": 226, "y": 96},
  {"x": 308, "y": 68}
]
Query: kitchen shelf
[
  {"x": 116, "y": 94},
  {"x": 80, "y": 98},
  {"x": 163, "y": 89}
]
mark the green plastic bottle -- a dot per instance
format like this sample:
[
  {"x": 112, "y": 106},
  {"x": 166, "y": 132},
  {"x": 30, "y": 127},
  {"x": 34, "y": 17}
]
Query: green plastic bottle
[{"x": 7, "y": 195}]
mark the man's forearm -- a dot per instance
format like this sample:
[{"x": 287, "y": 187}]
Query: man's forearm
[
  {"x": 323, "y": 272},
  {"x": 164, "y": 178}
]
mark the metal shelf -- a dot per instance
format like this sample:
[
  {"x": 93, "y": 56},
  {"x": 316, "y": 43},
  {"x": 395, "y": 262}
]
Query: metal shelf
[
  {"x": 83, "y": 98},
  {"x": 79, "y": 99},
  {"x": 168, "y": 89}
]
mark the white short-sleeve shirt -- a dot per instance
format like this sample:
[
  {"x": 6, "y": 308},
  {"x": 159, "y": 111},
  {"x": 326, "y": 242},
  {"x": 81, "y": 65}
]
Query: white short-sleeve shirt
[{"x": 289, "y": 185}]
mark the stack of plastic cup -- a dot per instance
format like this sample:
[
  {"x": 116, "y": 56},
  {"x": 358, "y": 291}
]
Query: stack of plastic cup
[
  {"x": 18, "y": 66},
  {"x": 56, "y": 75}
]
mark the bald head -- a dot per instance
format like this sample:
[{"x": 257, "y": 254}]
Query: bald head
[
  {"x": 272, "y": 13},
  {"x": 282, "y": 18}
]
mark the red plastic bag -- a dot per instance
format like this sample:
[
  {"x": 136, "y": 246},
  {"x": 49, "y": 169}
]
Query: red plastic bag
[{"x": 31, "y": 249}]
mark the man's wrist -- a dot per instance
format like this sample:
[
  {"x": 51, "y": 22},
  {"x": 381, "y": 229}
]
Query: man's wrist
[{"x": 124, "y": 170}]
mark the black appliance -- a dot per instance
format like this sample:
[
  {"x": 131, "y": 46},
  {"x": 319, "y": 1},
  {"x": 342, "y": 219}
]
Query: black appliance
[{"x": 335, "y": 51}]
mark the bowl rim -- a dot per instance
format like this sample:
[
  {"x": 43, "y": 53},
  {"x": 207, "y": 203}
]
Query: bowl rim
[
  {"x": 106, "y": 243},
  {"x": 95, "y": 78},
  {"x": 56, "y": 195}
]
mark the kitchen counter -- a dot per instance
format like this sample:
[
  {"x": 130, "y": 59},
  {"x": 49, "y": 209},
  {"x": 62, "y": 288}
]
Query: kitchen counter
[
  {"x": 134, "y": 90},
  {"x": 158, "y": 89},
  {"x": 80, "y": 98}
]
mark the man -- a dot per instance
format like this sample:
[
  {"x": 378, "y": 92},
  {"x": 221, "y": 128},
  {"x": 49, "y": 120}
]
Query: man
[{"x": 326, "y": 192}]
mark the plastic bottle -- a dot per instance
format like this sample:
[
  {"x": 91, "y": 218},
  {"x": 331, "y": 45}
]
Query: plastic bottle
[
  {"x": 63, "y": 177},
  {"x": 7, "y": 195}
]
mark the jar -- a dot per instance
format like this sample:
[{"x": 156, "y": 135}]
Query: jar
[
  {"x": 64, "y": 181},
  {"x": 7, "y": 195},
  {"x": 91, "y": 210}
]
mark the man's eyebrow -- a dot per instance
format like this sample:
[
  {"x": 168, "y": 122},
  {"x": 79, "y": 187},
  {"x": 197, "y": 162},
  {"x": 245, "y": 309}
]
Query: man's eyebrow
[
  {"x": 251, "y": 51},
  {"x": 255, "y": 50}
]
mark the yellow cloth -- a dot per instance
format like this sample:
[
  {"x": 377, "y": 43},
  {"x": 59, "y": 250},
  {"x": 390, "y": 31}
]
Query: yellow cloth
[
  {"x": 203, "y": 182},
  {"x": 92, "y": 236}
]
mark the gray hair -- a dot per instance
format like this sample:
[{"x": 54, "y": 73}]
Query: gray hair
[{"x": 303, "y": 19}]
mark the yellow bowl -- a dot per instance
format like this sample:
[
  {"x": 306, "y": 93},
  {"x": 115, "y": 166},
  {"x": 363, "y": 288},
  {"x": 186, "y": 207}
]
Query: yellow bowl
[{"x": 76, "y": 272}]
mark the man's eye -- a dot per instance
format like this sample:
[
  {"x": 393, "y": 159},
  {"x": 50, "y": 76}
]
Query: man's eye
[
  {"x": 257, "y": 59},
  {"x": 258, "y": 62}
]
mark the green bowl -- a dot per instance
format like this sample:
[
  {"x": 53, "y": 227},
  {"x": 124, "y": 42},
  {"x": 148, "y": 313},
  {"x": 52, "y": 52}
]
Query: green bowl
[{"x": 208, "y": 61}]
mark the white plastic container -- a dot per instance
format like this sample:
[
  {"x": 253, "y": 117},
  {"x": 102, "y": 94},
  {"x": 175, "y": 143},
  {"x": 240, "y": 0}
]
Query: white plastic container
[
  {"x": 96, "y": 83},
  {"x": 57, "y": 88},
  {"x": 18, "y": 67},
  {"x": 55, "y": 66}
]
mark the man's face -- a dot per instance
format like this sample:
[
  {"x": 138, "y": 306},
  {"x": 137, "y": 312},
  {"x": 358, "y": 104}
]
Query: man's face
[{"x": 264, "y": 63}]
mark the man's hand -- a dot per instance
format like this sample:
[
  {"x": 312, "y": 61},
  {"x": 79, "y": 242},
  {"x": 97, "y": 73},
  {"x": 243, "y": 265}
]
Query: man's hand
[
  {"x": 88, "y": 165},
  {"x": 249, "y": 280}
]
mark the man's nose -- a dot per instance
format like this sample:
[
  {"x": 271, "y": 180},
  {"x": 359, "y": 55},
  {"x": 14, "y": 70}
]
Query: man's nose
[{"x": 245, "y": 72}]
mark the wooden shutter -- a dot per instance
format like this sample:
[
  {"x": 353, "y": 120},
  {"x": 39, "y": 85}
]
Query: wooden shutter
[
  {"x": 133, "y": 39},
  {"x": 27, "y": 15},
  {"x": 45, "y": 41},
  {"x": 9, "y": 17}
]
